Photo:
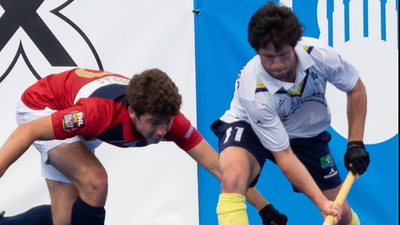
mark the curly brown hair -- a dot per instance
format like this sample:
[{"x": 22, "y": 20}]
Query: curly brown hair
[
  {"x": 276, "y": 24},
  {"x": 153, "y": 92}
]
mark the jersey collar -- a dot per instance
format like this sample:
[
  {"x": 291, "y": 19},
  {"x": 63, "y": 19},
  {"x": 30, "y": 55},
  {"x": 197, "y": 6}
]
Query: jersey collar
[{"x": 304, "y": 62}]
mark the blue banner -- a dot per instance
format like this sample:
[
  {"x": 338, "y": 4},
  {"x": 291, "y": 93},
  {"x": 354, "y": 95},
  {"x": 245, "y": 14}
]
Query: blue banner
[{"x": 366, "y": 32}]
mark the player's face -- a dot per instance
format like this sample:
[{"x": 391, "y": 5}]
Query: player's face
[
  {"x": 151, "y": 127},
  {"x": 279, "y": 64}
]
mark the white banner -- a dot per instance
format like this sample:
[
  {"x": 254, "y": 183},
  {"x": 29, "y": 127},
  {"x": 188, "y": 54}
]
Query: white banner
[{"x": 151, "y": 185}]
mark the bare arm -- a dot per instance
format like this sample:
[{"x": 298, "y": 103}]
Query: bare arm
[
  {"x": 22, "y": 137},
  {"x": 356, "y": 111},
  {"x": 207, "y": 157},
  {"x": 298, "y": 175},
  {"x": 356, "y": 157}
]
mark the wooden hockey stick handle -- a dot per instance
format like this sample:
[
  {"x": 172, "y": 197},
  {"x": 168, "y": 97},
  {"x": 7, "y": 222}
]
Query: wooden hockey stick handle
[{"x": 341, "y": 196}]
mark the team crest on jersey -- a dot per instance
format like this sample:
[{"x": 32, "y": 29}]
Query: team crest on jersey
[
  {"x": 73, "y": 120},
  {"x": 327, "y": 161}
]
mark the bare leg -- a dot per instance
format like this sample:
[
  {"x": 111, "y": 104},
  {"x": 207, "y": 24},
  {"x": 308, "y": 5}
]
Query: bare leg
[
  {"x": 88, "y": 176},
  {"x": 238, "y": 168},
  {"x": 62, "y": 195}
]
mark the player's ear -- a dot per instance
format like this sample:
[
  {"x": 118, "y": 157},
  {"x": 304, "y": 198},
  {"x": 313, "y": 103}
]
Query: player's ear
[{"x": 131, "y": 113}]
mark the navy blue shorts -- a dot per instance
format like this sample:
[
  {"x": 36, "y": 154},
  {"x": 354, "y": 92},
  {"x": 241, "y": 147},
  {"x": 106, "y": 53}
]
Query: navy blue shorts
[{"x": 313, "y": 152}]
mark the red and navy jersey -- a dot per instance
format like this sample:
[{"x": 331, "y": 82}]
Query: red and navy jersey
[{"x": 90, "y": 103}]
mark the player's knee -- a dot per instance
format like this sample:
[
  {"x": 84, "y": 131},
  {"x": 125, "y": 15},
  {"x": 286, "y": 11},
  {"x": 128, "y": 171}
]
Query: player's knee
[
  {"x": 233, "y": 182},
  {"x": 95, "y": 184},
  {"x": 99, "y": 182}
]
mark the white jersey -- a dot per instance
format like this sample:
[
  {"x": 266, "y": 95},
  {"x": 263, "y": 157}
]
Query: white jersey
[{"x": 279, "y": 110}]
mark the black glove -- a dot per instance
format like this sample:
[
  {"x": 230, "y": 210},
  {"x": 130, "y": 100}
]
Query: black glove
[
  {"x": 271, "y": 216},
  {"x": 357, "y": 157}
]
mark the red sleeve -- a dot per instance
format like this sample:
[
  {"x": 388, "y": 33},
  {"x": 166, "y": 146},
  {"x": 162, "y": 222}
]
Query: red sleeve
[
  {"x": 88, "y": 118},
  {"x": 183, "y": 133}
]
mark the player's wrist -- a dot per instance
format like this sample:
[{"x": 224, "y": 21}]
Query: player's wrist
[
  {"x": 354, "y": 144},
  {"x": 321, "y": 202}
]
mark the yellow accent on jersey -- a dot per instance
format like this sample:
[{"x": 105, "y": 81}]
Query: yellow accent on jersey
[
  {"x": 298, "y": 92},
  {"x": 294, "y": 93},
  {"x": 90, "y": 74},
  {"x": 260, "y": 85}
]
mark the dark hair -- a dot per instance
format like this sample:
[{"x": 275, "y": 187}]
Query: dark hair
[
  {"x": 153, "y": 92},
  {"x": 276, "y": 24}
]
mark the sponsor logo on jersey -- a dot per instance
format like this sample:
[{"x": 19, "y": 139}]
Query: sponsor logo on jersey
[
  {"x": 73, "y": 120},
  {"x": 332, "y": 173}
]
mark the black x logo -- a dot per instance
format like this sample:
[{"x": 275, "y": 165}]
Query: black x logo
[{"x": 22, "y": 13}]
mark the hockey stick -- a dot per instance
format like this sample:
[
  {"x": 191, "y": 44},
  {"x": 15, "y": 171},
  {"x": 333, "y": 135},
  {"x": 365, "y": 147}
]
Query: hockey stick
[{"x": 341, "y": 196}]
